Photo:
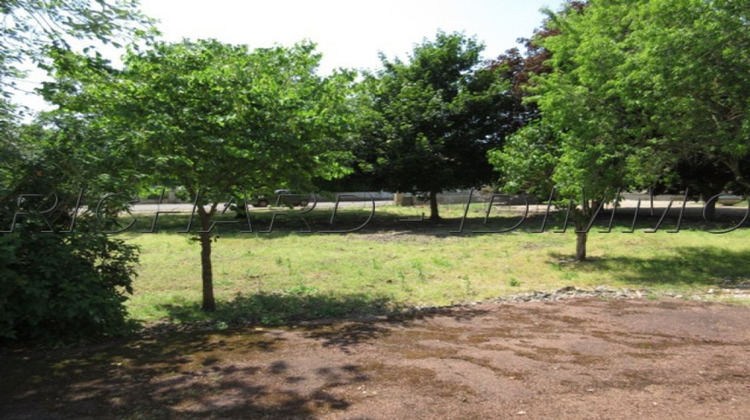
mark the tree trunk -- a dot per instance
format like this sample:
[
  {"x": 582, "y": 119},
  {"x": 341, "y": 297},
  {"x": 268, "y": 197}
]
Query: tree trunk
[
  {"x": 209, "y": 304},
  {"x": 734, "y": 166},
  {"x": 581, "y": 246},
  {"x": 434, "y": 215},
  {"x": 710, "y": 209},
  {"x": 581, "y": 236}
]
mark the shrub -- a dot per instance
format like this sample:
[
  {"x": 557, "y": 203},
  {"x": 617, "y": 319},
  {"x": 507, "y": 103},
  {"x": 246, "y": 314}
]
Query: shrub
[{"x": 63, "y": 286}]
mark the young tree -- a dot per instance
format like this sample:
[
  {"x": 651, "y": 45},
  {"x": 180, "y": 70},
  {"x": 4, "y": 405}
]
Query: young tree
[
  {"x": 638, "y": 88},
  {"x": 221, "y": 120},
  {"x": 428, "y": 123}
]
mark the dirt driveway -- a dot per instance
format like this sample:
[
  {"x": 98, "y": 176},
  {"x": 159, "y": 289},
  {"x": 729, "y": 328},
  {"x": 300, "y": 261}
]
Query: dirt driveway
[{"x": 575, "y": 359}]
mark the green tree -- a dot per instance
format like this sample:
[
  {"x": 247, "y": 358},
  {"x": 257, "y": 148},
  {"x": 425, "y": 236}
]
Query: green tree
[
  {"x": 31, "y": 30},
  {"x": 636, "y": 89},
  {"x": 688, "y": 70},
  {"x": 528, "y": 160},
  {"x": 428, "y": 123},
  {"x": 221, "y": 120}
]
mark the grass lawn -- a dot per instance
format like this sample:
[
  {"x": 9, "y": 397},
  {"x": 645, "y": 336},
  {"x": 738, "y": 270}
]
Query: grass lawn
[{"x": 272, "y": 278}]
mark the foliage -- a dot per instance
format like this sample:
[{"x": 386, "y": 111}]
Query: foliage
[
  {"x": 62, "y": 287},
  {"x": 54, "y": 285},
  {"x": 428, "y": 123},
  {"x": 691, "y": 68},
  {"x": 29, "y": 27},
  {"x": 57, "y": 286},
  {"x": 217, "y": 119},
  {"x": 641, "y": 86},
  {"x": 528, "y": 160},
  {"x": 221, "y": 119},
  {"x": 640, "y": 91}
]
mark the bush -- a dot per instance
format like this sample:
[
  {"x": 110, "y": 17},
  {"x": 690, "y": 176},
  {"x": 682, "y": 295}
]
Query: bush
[{"x": 63, "y": 287}]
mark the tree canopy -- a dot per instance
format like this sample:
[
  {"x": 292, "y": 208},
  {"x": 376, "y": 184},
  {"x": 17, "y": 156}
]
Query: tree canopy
[
  {"x": 217, "y": 119},
  {"x": 636, "y": 88},
  {"x": 429, "y": 122},
  {"x": 30, "y": 27}
]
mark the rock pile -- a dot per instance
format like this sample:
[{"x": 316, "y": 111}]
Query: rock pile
[{"x": 570, "y": 292}]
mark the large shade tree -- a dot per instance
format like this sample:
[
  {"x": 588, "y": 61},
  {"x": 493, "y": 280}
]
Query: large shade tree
[
  {"x": 688, "y": 69},
  {"x": 427, "y": 123}
]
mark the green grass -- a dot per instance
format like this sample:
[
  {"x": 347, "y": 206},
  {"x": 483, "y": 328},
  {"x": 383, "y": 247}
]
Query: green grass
[{"x": 391, "y": 264}]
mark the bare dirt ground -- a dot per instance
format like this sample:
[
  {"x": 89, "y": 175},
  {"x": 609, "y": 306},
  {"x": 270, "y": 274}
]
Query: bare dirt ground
[{"x": 574, "y": 359}]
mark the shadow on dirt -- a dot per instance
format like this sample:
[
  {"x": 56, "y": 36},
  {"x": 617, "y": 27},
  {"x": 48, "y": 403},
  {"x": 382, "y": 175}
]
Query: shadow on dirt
[
  {"x": 344, "y": 335},
  {"x": 196, "y": 373},
  {"x": 140, "y": 378}
]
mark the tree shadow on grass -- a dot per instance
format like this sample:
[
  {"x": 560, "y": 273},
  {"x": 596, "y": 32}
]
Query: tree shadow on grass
[
  {"x": 274, "y": 309},
  {"x": 690, "y": 266},
  {"x": 338, "y": 319}
]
